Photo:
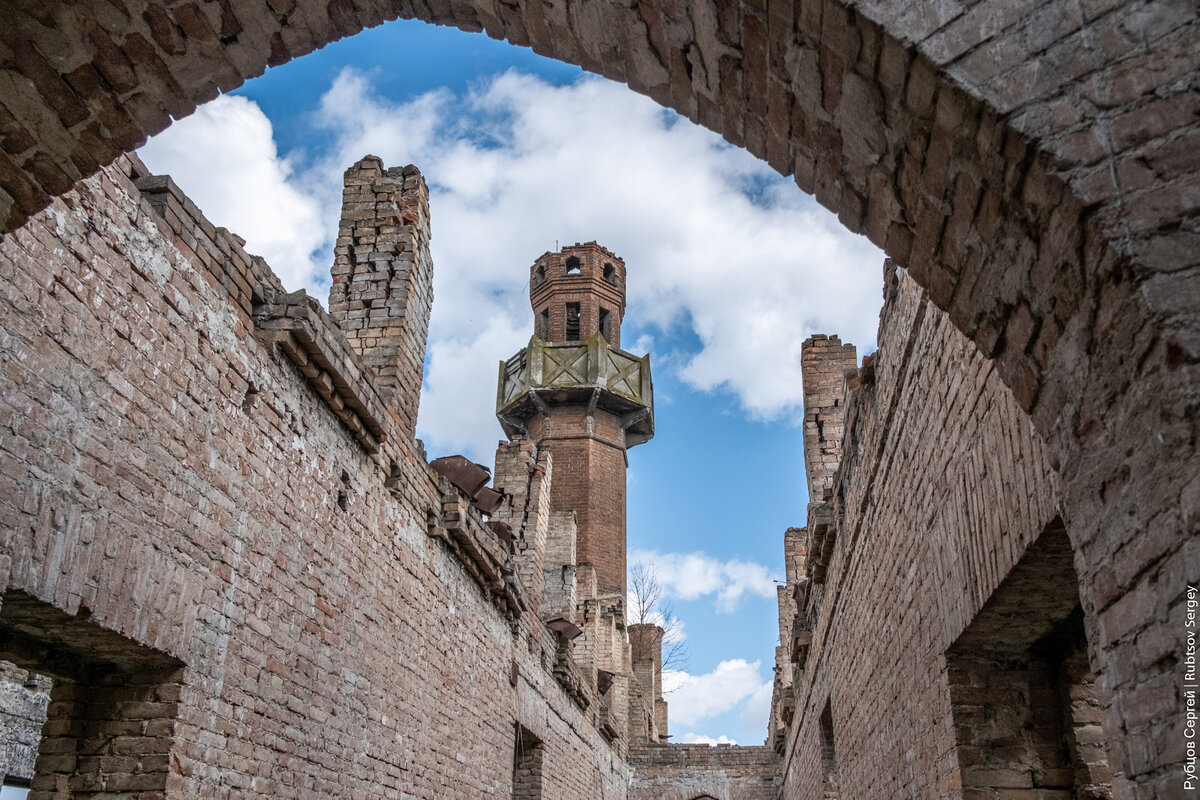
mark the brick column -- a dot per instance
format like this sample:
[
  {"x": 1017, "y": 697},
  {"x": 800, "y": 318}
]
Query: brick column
[
  {"x": 823, "y": 362},
  {"x": 383, "y": 278},
  {"x": 589, "y": 459},
  {"x": 645, "y": 642},
  {"x": 559, "y": 588},
  {"x": 523, "y": 472}
]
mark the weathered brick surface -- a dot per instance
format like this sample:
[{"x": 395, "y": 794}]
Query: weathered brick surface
[
  {"x": 1028, "y": 711},
  {"x": 560, "y": 592},
  {"x": 648, "y": 718},
  {"x": 382, "y": 288},
  {"x": 687, "y": 771},
  {"x": 591, "y": 469},
  {"x": 1031, "y": 164},
  {"x": 184, "y": 486},
  {"x": 524, "y": 473},
  {"x": 944, "y": 484}
]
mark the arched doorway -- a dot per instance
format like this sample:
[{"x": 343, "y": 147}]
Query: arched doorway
[{"x": 1034, "y": 175}]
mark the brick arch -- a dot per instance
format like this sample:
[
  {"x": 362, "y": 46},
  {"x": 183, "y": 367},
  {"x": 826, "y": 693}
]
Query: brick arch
[{"x": 1032, "y": 166}]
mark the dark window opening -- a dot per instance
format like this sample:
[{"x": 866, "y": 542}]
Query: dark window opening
[
  {"x": 527, "y": 766},
  {"x": 110, "y": 701},
  {"x": 541, "y": 326},
  {"x": 829, "y": 772},
  {"x": 572, "y": 322},
  {"x": 610, "y": 273},
  {"x": 541, "y": 272},
  {"x": 820, "y": 431},
  {"x": 605, "y": 324},
  {"x": 343, "y": 495},
  {"x": 573, "y": 265},
  {"x": 1027, "y": 713}
]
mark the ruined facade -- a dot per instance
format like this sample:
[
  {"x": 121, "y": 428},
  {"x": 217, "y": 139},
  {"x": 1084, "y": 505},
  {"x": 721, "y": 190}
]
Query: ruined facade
[
  {"x": 206, "y": 511},
  {"x": 926, "y": 604},
  {"x": 257, "y": 586}
]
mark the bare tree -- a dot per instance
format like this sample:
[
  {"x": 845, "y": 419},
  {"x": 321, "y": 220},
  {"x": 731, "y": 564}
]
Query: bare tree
[{"x": 648, "y": 604}]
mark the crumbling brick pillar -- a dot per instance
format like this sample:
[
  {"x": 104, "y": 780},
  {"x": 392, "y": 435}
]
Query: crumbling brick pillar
[
  {"x": 559, "y": 586},
  {"x": 645, "y": 643},
  {"x": 383, "y": 278},
  {"x": 523, "y": 473},
  {"x": 795, "y": 541},
  {"x": 823, "y": 363}
]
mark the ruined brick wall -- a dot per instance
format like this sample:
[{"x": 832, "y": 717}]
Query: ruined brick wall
[
  {"x": 943, "y": 486},
  {"x": 687, "y": 771},
  {"x": 196, "y": 484},
  {"x": 783, "y": 699},
  {"x": 1032, "y": 164},
  {"x": 646, "y": 654}
]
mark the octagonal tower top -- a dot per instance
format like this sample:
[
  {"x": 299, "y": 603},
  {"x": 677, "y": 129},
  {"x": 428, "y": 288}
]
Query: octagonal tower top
[{"x": 576, "y": 293}]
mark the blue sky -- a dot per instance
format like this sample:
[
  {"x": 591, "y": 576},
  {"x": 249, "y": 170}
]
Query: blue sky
[{"x": 730, "y": 268}]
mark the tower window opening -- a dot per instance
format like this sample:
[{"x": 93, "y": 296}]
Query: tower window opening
[
  {"x": 573, "y": 265},
  {"x": 610, "y": 273},
  {"x": 542, "y": 325},
  {"x": 541, "y": 272},
  {"x": 572, "y": 322},
  {"x": 605, "y": 324}
]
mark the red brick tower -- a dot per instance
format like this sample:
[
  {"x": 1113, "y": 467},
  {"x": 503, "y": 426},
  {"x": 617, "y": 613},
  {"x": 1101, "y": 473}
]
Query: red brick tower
[{"x": 575, "y": 392}]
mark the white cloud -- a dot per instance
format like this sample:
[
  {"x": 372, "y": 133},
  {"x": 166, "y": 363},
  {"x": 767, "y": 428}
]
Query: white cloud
[
  {"x": 459, "y": 394},
  {"x": 224, "y": 158},
  {"x": 689, "y": 576},
  {"x": 697, "y": 738},
  {"x": 712, "y": 238},
  {"x": 697, "y": 697},
  {"x": 757, "y": 711}
]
